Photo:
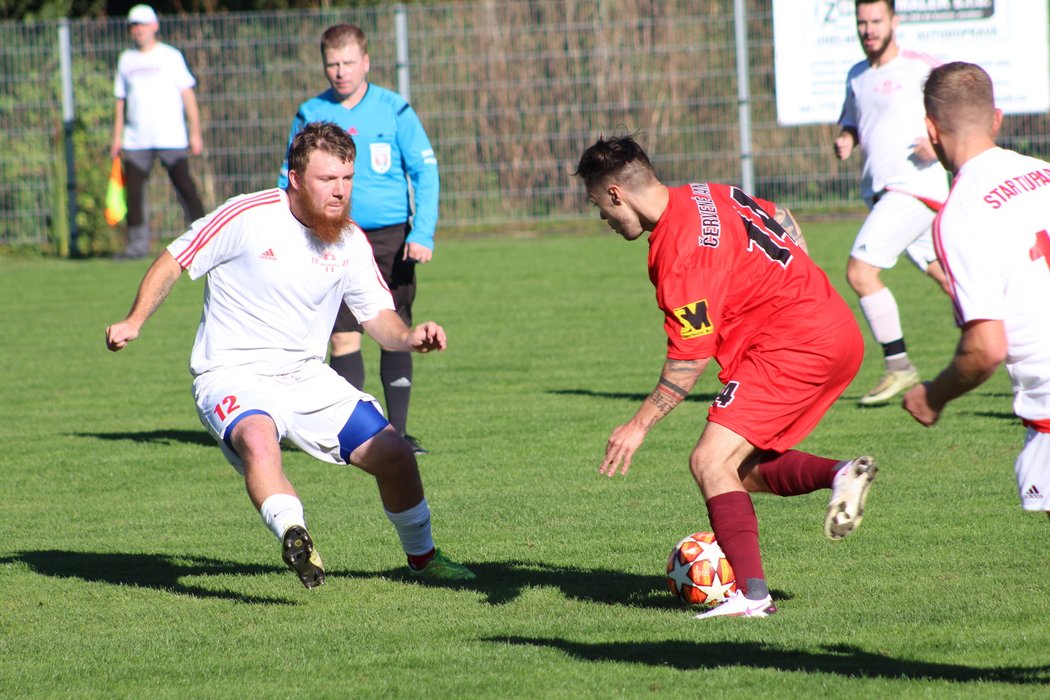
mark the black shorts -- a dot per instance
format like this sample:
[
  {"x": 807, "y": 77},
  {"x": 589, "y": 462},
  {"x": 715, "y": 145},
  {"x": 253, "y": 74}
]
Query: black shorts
[{"x": 388, "y": 247}]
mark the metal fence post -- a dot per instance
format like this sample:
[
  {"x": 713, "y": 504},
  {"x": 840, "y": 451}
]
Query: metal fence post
[
  {"x": 401, "y": 28},
  {"x": 743, "y": 92},
  {"x": 68, "y": 115}
]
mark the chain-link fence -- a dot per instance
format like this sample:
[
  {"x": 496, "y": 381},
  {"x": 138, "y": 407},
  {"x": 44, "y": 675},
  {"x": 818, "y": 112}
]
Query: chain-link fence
[{"x": 510, "y": 92}]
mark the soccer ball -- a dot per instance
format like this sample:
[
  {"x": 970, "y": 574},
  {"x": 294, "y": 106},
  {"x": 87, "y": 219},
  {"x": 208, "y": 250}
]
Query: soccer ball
[{"x": 698, "y": 573}]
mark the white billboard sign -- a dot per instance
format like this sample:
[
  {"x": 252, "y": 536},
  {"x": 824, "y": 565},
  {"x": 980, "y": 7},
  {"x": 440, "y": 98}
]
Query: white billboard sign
[{"x": 815, "y": 44}]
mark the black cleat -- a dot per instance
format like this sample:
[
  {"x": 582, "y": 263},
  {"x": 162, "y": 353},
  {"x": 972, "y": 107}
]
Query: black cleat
[
  {"x": 416, "y": 447},
  {"x": 301, "y": 557}
]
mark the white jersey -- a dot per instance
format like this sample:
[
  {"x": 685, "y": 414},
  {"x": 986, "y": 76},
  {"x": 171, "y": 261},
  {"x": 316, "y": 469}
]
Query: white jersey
[
  {"x": 151, "y": 84},
  {"x": 992, "y": 239},
  {"x": 884, "y": 105},
  {"x": 273, "y": 290}
]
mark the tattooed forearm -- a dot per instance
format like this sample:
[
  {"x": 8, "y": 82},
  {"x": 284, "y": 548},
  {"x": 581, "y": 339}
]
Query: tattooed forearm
[
  {"x": 664, "y": 400},
  {"x": 674, "y": 388},
  {"x": 676, "y": 380}
]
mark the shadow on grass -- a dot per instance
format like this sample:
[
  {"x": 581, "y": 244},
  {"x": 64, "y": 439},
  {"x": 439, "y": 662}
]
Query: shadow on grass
[
  {"x": 1001, "y": 415},
  {"x": 503, "y": 582},
  {"x": 623, "y": 395},
  {"x": 161, "y": 437},
  {"x": 839, "y": 659},
  {"x": 165, "y": 437},
  {"x": 895, "y": 403},
  {"x": 157, "y": 571}
]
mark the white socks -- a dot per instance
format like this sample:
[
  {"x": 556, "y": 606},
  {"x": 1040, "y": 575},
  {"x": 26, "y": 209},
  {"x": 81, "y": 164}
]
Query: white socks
[
  {"x": 880, "y": 309},
  {"x": 280, "y": 511},
  {"x": 413, "y": 527}
]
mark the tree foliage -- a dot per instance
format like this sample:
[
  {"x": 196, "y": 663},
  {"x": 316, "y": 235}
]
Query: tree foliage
[{"x": 53, "y": 9}]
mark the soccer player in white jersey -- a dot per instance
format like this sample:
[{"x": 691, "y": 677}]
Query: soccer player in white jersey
[
  {"x": 278, "y": 264},
  {"x": 902, "y": 183},
  {"x": 992, "y": 238}
]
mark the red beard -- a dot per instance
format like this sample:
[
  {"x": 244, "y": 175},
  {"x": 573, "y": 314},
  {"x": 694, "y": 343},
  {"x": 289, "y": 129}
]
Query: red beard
[{"x": 329, "y": 229}]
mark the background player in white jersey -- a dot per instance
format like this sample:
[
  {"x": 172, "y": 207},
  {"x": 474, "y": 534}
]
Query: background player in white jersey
[
  {"x": 902, "y": 183},
  {"x": 278, "y": 265},
  {"x": 992, "y": 238}
]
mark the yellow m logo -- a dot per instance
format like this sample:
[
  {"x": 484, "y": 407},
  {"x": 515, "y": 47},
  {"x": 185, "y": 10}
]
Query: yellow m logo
[{"x": 694, "y": 320}]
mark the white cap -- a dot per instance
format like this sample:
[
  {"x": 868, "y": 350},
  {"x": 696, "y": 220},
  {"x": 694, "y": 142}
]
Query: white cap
[{"x": 142, "y": 14}]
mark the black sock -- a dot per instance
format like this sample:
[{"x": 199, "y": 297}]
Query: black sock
[
  {"x": 350, "y": 367},
  {"x": 756, "y": 589},
  {"x": 395, "y": 369}
]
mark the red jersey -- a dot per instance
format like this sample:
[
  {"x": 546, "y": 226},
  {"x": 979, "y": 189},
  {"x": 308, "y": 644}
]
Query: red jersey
[{"x": 731, "y": 281}]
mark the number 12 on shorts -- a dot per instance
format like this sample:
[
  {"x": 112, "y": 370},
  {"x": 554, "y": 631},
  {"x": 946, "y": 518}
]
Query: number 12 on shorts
[
  {"x": 727, "y": 395},
  {"x": 227, "y": 407}
]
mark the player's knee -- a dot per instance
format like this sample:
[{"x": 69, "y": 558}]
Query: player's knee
[
  {"x": 386, "y": 454},
  {"x": 863, "y": 278},
  {"x": 702, "y": 469},
  {"x": 255, "y": 439}
]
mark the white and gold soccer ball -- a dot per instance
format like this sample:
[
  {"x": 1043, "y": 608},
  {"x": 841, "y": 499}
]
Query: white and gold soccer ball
[{"x": 698, "y": 572}]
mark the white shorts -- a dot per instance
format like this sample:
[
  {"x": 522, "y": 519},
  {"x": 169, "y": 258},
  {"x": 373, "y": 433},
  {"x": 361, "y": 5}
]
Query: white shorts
[
  {"x": 1033, "y": 471},
  {"x": 898, "y": 223},
  {"x": 312, "y": 408}
]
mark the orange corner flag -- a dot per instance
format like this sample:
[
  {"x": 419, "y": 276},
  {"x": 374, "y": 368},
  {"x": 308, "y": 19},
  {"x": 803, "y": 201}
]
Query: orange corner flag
[{"x": 116, "y": 199}]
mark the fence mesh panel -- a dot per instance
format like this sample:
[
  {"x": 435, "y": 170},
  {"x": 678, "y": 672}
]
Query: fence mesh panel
[{"x": 510, "y": 92}]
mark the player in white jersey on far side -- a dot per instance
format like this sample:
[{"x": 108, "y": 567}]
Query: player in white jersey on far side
[
  {"x": 902, "y": 183},
  {"x": 278, "y": 264},
  {"x": 992, "y": 238}
]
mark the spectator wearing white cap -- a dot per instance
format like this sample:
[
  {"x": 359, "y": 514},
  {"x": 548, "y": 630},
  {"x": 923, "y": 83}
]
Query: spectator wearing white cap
[{"x": 156, "y": 116}]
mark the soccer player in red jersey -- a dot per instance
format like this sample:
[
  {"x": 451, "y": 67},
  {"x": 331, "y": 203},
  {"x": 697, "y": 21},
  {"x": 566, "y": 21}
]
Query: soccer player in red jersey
[{"x": 735, "y": 283}]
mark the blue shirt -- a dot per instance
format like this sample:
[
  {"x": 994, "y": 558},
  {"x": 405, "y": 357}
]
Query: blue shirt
[{"x": 391, "y": 144}]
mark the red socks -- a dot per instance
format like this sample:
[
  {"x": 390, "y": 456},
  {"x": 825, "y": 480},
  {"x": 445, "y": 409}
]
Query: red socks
[
  {"x": 736, "y": 529},
  {"x": 793, "y": 473},
  {"x": 420, "y": 561}
]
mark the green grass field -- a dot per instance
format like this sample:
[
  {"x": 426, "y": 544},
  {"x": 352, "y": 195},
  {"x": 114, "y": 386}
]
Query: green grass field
[{"x": 133, "y": 565}]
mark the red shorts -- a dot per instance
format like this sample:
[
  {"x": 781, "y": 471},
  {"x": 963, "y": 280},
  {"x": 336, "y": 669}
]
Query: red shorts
[{"x": 774, "y": 397}]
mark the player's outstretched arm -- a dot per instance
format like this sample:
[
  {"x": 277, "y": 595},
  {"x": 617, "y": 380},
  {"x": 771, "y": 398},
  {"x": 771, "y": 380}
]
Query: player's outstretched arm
[
  {"x": 981, "y": 349},
  {"x": 391, "y": 333},
  {"x": 676, "y": 381},
  {"x": 154, "y": 289}
]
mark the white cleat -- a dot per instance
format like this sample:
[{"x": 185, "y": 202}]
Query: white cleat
[
  {"x": 890, "y": 384},
  {"x": 740, "y": 605},
  {"x": 849, "y": 493}
]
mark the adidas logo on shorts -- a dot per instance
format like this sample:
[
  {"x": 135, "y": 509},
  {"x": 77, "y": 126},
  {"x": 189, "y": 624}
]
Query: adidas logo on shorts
[{"x": 1032, "y": 492}]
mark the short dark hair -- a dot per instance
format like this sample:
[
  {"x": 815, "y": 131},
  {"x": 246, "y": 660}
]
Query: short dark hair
[
  {"x": 889, "y": 3},
  {"x": 340, "y": 35},
  {"x": 619, "y": 156},
  {"x": 320, "y": 136},
  {"x": 957, "y": 94}
]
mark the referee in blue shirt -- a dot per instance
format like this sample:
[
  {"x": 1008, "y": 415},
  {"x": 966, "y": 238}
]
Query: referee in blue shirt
[{"x": 392, "y": 149}]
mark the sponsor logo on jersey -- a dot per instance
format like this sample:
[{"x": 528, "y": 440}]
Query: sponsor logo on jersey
[
  {"x": 329, "y": 262},
  {"x": 710, "y": 225},
  {"x": 381, "y": 157},
  {"x": 694, "y": 320},
  {"x": 1015, "y": 186},
  {"x": 267, "y": 255},
  {"x": 887, "y": 87}
]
